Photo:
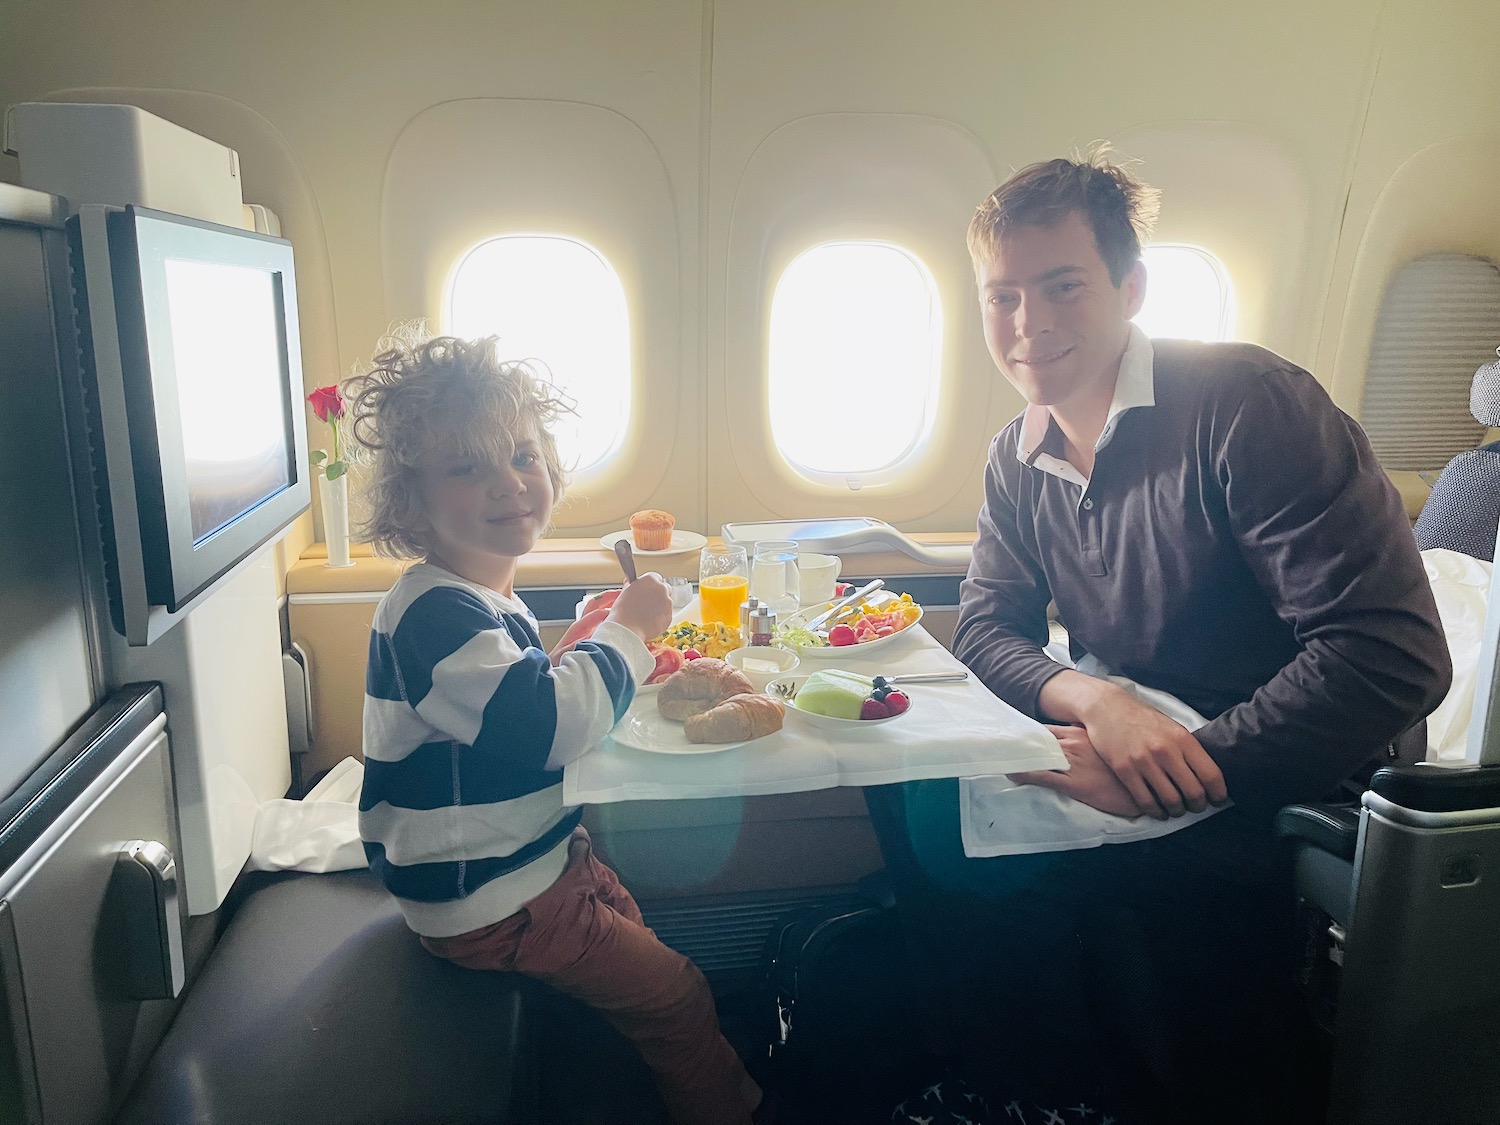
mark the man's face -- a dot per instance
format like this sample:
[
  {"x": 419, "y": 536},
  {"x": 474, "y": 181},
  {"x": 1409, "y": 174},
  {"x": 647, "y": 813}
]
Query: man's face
[{"x": 1054, "y": 322}]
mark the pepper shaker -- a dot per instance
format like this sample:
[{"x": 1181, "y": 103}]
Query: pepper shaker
[{"x": 762, "y": 626}]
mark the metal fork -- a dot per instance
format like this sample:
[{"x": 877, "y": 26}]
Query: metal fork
[{"x": 787, "y": 689}]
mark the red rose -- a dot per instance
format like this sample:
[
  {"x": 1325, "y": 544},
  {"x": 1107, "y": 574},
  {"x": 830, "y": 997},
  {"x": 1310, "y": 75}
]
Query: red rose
[{"x": 327, "y": 402}]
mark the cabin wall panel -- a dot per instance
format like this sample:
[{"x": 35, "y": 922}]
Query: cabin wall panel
[
  {"x": 1426, "y": 180},
  {"x": 1343, "y": 92},
  {"x": 47, "y": 664},
  {"x": 340, "y": 84}
]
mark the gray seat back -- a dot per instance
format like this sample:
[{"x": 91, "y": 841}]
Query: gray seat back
[{"x": 1418, "y": 1025}]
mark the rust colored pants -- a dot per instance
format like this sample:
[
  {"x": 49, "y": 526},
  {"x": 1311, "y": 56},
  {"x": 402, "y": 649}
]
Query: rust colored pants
[{"x": 584, "y": 936}]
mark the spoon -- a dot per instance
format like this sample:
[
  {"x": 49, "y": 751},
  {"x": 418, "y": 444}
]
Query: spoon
[{"x": 627, "y": 559}]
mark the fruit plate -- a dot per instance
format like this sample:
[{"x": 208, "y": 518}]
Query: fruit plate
[
  {"x": 828, "y": 722},
  {"x": 644, "y": 728},
  {"x": 823, "y": 652},
  {"x": 682, "y": 543}
]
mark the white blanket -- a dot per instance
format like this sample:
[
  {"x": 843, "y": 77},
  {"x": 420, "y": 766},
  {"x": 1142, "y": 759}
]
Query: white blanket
[{"x": 1461, "y": 585}]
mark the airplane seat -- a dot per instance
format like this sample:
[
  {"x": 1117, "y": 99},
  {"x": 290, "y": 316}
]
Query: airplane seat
[
  {"x": 1403, "y": 974},
  {"x": 318, "y": 1004},
  {"x": 1463, "y": 511}
]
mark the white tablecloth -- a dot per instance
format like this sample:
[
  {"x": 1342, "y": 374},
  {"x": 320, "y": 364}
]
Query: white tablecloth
[{"x": 953, "y": 730}]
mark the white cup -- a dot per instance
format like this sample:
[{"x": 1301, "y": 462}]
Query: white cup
[{"x": 817, "y": 575}]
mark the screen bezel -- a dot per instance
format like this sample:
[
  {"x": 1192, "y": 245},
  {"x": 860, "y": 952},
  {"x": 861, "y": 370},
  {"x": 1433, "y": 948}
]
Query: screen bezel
[{"x": 141, "y": 242}]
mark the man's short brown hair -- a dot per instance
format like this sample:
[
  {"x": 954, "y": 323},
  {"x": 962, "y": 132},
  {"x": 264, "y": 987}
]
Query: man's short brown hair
[{"x": 1120, "y": 208}]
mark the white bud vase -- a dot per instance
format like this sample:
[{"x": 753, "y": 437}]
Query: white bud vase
[{"x": 335, "y": 496}]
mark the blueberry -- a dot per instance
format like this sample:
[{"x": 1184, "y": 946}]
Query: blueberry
[
  {"x": 881, "y": 692},
  {"x": 880, "y": 681}
]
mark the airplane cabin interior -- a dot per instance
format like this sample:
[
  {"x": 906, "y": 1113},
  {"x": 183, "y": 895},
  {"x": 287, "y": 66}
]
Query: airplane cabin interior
[{"x": 733, "y": 233}]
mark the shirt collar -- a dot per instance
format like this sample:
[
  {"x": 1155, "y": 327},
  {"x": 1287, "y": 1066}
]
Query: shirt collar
[{"x": 1134, "y": 387}]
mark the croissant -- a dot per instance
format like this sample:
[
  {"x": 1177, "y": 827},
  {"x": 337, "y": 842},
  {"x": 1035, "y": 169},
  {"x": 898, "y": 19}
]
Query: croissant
[
  {"x": 738, "y": 718},
  {"x": 699, "y": 685}
]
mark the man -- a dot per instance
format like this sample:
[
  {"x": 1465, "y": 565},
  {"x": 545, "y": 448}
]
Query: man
[{"x": 1208, "y": 524}]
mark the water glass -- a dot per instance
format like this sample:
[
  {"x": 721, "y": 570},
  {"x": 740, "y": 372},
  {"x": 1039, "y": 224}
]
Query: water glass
[
  {"x": 723, "y": 584},
  {"x": 773, "y": 575}
]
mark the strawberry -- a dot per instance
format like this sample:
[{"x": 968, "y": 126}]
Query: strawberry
[
  {"x": 897, "y": 702},
  {"x": 874, "y": 709},
  {"x": 691, "y": 654},
  {"x": 841, "y": 635}
]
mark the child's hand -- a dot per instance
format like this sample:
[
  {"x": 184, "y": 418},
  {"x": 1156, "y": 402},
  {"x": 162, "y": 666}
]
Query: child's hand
[{"x": 644, "y": 607}]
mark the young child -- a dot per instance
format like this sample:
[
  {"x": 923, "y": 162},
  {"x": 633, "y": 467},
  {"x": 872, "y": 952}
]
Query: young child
[{"x": 468, "y": 723}]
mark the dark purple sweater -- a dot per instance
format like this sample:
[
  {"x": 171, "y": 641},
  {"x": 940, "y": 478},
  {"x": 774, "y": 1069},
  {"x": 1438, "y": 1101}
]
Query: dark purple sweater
[{"x": 1238, "y": 546}]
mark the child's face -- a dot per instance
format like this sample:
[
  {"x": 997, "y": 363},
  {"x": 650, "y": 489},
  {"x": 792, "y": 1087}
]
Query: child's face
[{"x": 483, "y": 517}]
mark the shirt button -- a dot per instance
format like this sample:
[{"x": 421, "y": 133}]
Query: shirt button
[{"x": 1088, "y": 505}]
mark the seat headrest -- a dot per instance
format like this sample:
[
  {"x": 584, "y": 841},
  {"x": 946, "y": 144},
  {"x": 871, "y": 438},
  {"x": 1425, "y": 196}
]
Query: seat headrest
[{"x": 1484, "y": 393}]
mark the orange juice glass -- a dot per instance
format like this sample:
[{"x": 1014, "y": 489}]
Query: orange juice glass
[
  {"x": 720, "y": 598},
  {"x": 723, "y": 584}
]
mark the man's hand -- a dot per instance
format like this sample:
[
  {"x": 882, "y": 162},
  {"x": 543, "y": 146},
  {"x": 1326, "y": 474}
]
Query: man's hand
[
  {"x": 1087, "y": 779},
  {"x": 1163, "y": 767},
  {"x": 1156, "y": 758}
]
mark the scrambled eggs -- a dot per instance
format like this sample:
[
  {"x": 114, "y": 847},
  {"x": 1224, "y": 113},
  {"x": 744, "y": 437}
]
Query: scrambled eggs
[{"x": 713, "y": 639}]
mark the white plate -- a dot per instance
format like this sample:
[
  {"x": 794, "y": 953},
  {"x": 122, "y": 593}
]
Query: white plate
[
  {"x": 643, "y": 728},
  {"x": 820, "y": 652},
  {"x": 682, "y": 542},
  {"x": 848, "y": 726}
]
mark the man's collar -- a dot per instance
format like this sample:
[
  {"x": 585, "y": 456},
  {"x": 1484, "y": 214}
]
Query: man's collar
[{"x": 1135, "y": 386}]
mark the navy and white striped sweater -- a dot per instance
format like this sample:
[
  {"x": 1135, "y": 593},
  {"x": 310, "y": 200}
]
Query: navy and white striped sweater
[{"x": 467, "y": 727}]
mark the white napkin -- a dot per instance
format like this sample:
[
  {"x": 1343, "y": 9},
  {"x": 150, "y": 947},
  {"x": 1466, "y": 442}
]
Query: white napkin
[
  {"x": 318, "y": 833},
  {"x": 999, "y": 817}
]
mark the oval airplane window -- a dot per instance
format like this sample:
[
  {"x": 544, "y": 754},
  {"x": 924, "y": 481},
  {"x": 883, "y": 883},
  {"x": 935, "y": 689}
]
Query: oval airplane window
[
  {"x": 535, "y": 292},
  {"x": 855, "y": 348},
  {"x": 1187, "y": 295}
]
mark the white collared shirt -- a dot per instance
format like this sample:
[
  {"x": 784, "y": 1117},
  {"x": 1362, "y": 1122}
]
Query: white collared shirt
[{"x": 1134, "y": 386}]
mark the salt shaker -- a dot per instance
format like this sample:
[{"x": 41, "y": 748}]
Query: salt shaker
[
  {"x": 762, "y": 626},
  {"x": 750, "y": 604}
]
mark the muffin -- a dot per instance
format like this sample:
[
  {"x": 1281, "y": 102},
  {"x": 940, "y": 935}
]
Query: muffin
[{"x": 652, "y": 530}]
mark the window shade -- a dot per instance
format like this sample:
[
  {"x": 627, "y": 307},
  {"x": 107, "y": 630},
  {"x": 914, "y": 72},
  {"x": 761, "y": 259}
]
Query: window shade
[{"x": 1439, "y": 320}]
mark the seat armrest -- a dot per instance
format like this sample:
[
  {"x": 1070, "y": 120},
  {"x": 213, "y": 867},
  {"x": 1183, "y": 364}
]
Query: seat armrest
[
  {"x": 1331, "y": 828},
  {"x": 1439, "y": 788}
]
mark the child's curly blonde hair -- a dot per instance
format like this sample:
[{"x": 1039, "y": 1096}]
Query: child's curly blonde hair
[{"x": 428, "y": 394}]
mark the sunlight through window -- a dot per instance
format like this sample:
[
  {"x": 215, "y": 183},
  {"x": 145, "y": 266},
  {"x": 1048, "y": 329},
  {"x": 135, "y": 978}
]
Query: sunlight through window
[
  {"x": 555, "y": 300},
  {"x": 1187, "y": 295},
  {"x": 856, "y": 338}
]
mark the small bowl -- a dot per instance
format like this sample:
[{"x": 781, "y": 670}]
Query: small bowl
[
  {"x": 793, "y": 684},
  {"x": 784, "y": 659}
]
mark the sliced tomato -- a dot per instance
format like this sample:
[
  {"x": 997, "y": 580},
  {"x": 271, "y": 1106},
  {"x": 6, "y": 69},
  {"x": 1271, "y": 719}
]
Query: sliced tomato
[{"x": 668, "y": 660}]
